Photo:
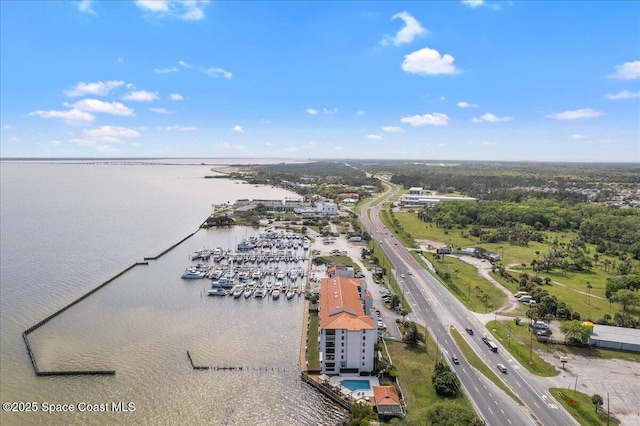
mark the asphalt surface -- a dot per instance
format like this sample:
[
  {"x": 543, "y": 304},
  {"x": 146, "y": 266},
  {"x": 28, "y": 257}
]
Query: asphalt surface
[{"x": 435, "y": 308}]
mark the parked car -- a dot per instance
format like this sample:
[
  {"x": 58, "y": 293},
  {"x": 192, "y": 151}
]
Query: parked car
[
  {"x": 469, "y": 330},
  {"x": 455, "y": 359},
  {"x": 502, "y": 368},
  {"x": 381, "y": 325}
]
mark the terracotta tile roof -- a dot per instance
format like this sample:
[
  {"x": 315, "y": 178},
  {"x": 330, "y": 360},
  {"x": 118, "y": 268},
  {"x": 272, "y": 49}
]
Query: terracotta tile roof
[
  {"x": 340, "y": 305},
  {"x": 385, "y": 395}
]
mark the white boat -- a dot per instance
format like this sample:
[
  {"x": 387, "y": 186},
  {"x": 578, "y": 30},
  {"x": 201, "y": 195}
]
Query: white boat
[
  {"x": 260, "y": 292},
  {"x": 218, "y": 291},
  {"x": 290, "y": 294},
  {"x": 192, "y": 274},
  {"x": 196, "y": 254},
  {"x": 247, "y": 293},
  {"x": 280, "y": 275},
  {"x": 275, "y": 294},
  {"x": 237, "y": 291}
]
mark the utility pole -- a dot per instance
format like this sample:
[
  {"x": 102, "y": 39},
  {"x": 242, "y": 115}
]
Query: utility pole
[{"x": 576, "y": 385}]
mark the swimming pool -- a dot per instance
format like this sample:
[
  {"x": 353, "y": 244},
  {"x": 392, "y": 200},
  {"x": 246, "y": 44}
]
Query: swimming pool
[{"x": 354, "y": 385}]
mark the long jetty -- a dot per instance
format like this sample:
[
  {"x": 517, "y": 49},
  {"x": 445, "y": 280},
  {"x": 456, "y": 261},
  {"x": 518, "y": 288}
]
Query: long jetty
[{"x": 25, "y": 334}]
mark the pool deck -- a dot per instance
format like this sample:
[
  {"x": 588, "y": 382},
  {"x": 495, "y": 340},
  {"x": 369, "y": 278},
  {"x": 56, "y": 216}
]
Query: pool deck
[{"x": 335, "y": 382}]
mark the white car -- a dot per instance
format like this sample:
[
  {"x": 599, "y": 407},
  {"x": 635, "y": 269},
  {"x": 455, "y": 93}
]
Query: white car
[{"x": 381, "y": 325}]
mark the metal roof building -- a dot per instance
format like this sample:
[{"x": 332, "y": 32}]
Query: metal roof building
[{"x": 606, "y": 336}]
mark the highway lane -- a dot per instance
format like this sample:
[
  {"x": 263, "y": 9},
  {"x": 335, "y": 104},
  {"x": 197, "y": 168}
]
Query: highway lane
[{"x": 436, "y": 308}]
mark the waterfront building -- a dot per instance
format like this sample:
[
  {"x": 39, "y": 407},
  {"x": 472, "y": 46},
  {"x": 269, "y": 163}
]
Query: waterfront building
[{"x": 347, "y": 334}]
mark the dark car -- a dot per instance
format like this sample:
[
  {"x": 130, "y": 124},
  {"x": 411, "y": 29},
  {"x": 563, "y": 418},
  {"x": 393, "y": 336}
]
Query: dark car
[
  {"x": 470, "y": 331},
  {"x": 485, "y": 340},
  {"x": 455, "y": 360}
]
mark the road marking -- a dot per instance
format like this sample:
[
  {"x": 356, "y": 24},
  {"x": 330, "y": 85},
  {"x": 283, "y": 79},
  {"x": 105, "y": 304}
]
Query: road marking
[
  {"x": 476, "y": 388},
  {"x": 509, "y": 421},
  {"x": 536, "y": 404},
  {"x": 490, "y": 394},
  {"x": 502, "y": 410},
  {"x": 490, "y": 410},
  {"x": 554, "y": 406},
  {"x": 496, "y": 402},
  {"x": 518, "y": 383},
  {"x": 484, "y": 386}
]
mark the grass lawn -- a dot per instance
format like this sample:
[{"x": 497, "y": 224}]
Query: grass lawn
[
  {"x": 313, "y": 354},
  {"x": 580, "y": 407},
  {"x": 567, "y": 286},
  {"x": 517, "y": 340},
  {"x": 474, "y": 360},
  {"x": 414, "y": 367},
  {"x": 467, "y": 285}
]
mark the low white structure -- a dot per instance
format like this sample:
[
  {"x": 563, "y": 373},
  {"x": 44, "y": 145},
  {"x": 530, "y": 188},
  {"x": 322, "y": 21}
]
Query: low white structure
[
  {"x": 327, "y": 209},
  {"x": 606, "y": 336}
]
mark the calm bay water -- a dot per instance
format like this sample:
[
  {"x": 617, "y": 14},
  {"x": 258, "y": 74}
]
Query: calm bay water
[{"x": 65, "y": 228}]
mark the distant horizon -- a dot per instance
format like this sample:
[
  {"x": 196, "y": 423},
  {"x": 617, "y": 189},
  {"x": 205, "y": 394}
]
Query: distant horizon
[
  {"x": 433, "y": 161},
  {"x": 481, "y": 80}
]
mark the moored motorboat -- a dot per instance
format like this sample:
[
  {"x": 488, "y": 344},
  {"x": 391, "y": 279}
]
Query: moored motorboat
[
  {"x": 192, "y": 274},
  {"x": 275, "y": 294},
  {"x": 218, "y": 291},
  {"x": 290, "y": 294}
]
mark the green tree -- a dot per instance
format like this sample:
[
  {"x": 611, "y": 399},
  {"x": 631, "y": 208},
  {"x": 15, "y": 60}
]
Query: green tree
[
  {"x": 626, "y": 298},
  {"x": 451, "y": 415},
  {"x": 597, "y": 401},
  {"x": 575, "y": 332},
  {"x": 361, "y": 414},
  {"x": 444, "y": 380},
  {"x": 412, "y": 335}
]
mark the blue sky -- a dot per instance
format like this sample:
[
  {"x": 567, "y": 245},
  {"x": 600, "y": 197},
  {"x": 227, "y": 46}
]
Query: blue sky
[{"x": 449, "y": 80}]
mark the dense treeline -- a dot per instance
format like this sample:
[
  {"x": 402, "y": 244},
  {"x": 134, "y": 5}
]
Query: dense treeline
[
  {"x": 512, "y": 181},
  {"x": 614, "y": 231},
  {"x": 324, "y": 178}
]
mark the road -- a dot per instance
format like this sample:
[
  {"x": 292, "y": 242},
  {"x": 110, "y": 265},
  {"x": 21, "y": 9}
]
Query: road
[{"x": 435, "y": 308}]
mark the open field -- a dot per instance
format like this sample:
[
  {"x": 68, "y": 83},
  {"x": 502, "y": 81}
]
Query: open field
[
  {"x": 568, "y": 286},
  {"x": 464, "y": 282}
]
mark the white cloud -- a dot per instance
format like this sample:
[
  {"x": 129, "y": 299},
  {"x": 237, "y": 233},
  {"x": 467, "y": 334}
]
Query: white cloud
[
  {"x": 360, "y": 113},
  {"x": 339, "y": 148},
  {"x": 176, "y": 97},
  {"x": 56, "y": 142},
  {"x": 186, "y": 10},
  {"x": 96, "y": 105},
  {"x": 576, "y": 114},
  {"x": 312, "y": 111},
  {"x": 625, "y": 94},
  {"x": 428, "y": 61},
  {"x": 330, "y": 112},
  {"x": 99, "y": 88},
  {"x": 216, "y": 72},
  {"x": 6, "y": 126},
  {"x": 435, "y": 119},
  {"x": 110, "y": 133},
  {"x": 161, "y": 111},
  {"x": 184, "y": 64},
  {"x": 72, "y": 116},
  {"x": 488, "y": 117},
  {"x": 374, "y": 137},
  {"x": 166, "y": 70},
  {"x": 392, "y": 129},
  {"x": 180, "y": 128},
  {"x": 577, "y": 136},
  {"x": 141, "y": 96},
  {"x": 473, "y": 3},
  {"x": 238, "y": 129},
  {"x": 411, "y": 29},
  {"x": 627, "y": 71},
  {"x": 85, "y": 6},
  {"x": 466, "y": 105},
  {"x": 119, "y": 60}
]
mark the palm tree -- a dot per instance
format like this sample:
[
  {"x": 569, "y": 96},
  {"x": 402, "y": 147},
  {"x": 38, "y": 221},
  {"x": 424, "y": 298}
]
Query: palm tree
[{"x": 597, "y": 401}]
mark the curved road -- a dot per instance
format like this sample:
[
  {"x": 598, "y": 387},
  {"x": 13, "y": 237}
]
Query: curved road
[{"x": 435, "y": 308}]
